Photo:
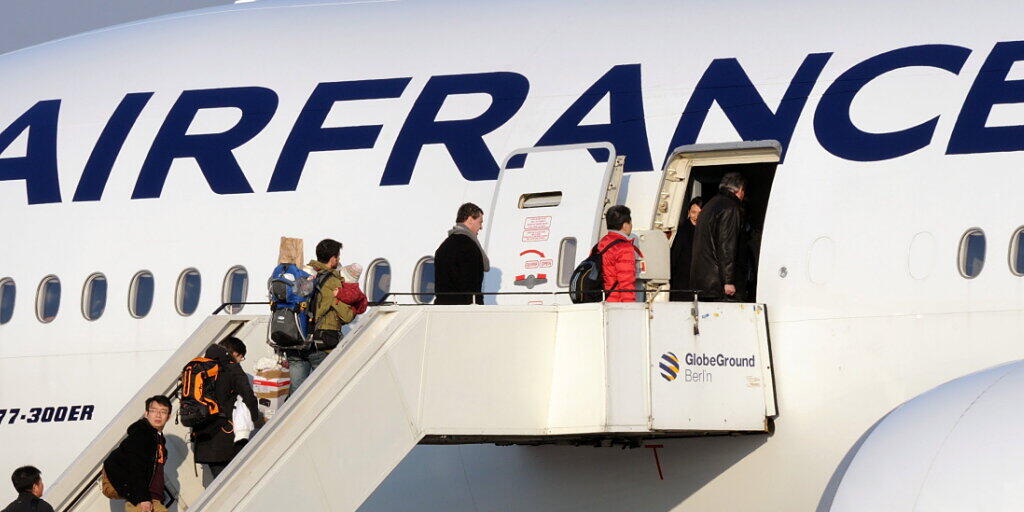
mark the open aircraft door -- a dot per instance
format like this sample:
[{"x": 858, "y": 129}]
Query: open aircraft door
[{"x": 547, "y": 212}]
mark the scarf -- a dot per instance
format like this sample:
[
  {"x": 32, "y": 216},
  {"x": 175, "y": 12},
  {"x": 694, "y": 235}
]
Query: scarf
[{"x": 461, "y": 229}]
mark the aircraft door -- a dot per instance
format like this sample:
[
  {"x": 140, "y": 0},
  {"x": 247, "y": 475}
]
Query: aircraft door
[
  {"x": 547, "y": 212},
  {"x": 694, "y": 171}
]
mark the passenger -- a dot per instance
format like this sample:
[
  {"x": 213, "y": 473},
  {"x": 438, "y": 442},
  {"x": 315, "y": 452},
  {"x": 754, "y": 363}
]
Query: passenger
[
  {"x": 719, "y": 266},
  {"x": 134, "y": 471},
  {"x": 215, "y": 440},
  {"x": 682, "y": 252},
  {"x": 618, "y": 263},
  {"x": 329, "y": 316},
  {"x": 349, "y": 292},
  {"x": 460, "y": 261},
  {"x": 29, "y": 485}
]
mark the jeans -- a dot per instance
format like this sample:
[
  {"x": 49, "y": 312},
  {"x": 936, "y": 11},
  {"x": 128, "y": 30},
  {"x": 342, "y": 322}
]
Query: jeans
[{"x": 301, "y": 364}]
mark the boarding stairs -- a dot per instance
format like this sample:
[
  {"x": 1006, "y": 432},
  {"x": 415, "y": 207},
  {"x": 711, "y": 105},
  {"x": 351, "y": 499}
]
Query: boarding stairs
[{"x": 596, "y": 374}]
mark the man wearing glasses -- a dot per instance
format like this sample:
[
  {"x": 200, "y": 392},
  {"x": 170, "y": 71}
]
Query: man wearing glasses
[
  {"x": 215, "y": 440},
  {"x": 134, "y": 471}
]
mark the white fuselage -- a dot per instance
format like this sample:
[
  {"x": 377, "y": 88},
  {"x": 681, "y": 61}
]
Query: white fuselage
[{"x": 870, "y": 311}]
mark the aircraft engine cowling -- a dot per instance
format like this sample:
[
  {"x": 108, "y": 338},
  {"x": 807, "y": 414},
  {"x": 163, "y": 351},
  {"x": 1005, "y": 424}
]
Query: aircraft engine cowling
[{"x": 959, "y": 446}]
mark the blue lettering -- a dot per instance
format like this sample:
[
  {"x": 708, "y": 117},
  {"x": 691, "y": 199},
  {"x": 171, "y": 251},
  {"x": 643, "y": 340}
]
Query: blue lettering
[
  {"x": 835, "y": 129},
  {"x": 108, "y": 146},
  {"x": 464, "y": 137},
  {"x": 212, "y": 151},
  {"x": 726, "y": 83},
  {"x": 39, "y": 165},
  {"x": 970, "y": 135},
  {"x": 627, "y": 130},
  {"x": 309, "y": 135}
]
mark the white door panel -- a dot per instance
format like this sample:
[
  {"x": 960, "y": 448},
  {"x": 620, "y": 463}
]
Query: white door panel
[{"x": 545, "y": 199}]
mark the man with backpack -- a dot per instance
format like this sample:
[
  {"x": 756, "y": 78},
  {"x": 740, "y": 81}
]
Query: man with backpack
[
  {"x": 215, "y": 438},
  {"x": 134, "y": 471},
  {"x": 618, "y": 255},
  {"x": 327, "y": 315}
]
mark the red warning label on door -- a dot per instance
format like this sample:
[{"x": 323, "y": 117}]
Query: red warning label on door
[{"x": 537, "y": 229}]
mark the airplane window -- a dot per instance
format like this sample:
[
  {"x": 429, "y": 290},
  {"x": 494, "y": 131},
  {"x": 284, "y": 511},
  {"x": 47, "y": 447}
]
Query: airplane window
[
  {"x": 972, "y": 253},
  {"x": 48, "y": 299},
  {"x": 540, "y": 200},
  {"x": 566, "y": 261},
  {"x": 140, "y": 295},
  {"x": 236, "y": 288},
  {"x": 1016, "y": 252},
  {"x": 378, "y": 279},
  {"x": 94, "y": 296},
  {"x": 424, "y": 279},
  {"x": 186, "y": 294},
  {"x": 7, "y": 293}
]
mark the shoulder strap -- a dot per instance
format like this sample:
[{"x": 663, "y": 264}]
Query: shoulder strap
[{"x": 609, "y": 246}]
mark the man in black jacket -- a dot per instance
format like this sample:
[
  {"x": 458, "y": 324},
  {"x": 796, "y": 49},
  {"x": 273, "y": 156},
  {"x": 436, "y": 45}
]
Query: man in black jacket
[
  {"x": 135, "y": 468},
  {"x": 29, "y": 485},
  {"x": 719, "y": 267},
  {"x": 215, "y": 440},
  {"x": 460, "y": 261}
]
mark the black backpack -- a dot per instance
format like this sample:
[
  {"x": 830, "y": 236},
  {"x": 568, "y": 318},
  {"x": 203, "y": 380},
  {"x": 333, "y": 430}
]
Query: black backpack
[
  {"x": 587, "y": 281},
  {"x": 285, "y": 330},
  {"x": 314, "y": 301}
]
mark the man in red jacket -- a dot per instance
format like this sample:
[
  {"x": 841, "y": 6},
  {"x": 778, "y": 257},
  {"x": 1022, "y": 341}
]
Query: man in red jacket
[{"x": 618, "y": 264}]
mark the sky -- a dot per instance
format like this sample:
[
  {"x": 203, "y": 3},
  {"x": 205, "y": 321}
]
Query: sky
[{"x": 28, "y": 22}]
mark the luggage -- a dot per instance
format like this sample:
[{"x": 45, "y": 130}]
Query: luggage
[
  {"x": 290, "y": 290},
  {"x": 198, "y": 378},
  {"x": 587, "y": 282}
]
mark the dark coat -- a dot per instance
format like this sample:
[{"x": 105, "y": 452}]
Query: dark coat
[
  {"x": 28, "y": 502},
  {"x": 680, "y": 258},
  {"x": 215, "y": 440},
  {"x": 130, "y": 466},
  {"x": 459, "y": 267},
  {"x": 719, "y": 248}
]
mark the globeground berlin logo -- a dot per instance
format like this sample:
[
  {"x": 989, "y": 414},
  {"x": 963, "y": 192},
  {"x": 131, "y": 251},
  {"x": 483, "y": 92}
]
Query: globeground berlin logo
[{"x": 669, "y": 366}]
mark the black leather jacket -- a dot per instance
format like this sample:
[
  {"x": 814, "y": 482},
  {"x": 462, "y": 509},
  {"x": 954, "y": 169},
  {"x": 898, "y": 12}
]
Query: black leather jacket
[{"x": 718, "y": 258}]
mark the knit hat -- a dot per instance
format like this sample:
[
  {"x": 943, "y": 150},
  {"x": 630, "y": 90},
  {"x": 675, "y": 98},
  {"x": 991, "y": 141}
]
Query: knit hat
[{"x": 351, "y": 272}]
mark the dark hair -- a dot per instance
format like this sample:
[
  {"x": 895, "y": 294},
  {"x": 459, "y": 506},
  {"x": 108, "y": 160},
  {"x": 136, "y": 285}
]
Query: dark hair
[
  {"x": 233, "y": 344},
  {"x": 699, "y": 201},
  {"x": 617, "y": 216},
  {"x": 327, "y": 249},
  {"x": 466, "y": 211},
  {"x": 159, "y": 399},
  {"x": 25, "y": 477}
]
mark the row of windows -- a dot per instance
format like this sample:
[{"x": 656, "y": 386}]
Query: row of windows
[
  {"x": 140, "y": 294},
  {"x": 234, "y": 288}
]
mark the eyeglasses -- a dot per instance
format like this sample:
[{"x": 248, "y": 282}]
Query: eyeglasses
[{"x": 162, "y": 412}]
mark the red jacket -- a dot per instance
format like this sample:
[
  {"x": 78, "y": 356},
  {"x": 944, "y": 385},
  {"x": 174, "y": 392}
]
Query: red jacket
[
  {"x": 619, "y": 267},
  {"x": 350, "y": 294}
]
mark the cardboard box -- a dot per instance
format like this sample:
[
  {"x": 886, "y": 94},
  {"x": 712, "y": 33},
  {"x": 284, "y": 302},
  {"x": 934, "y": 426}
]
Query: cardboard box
[
  {"x": 269, "y": 406},
  {"x": 271, "y": 388}
]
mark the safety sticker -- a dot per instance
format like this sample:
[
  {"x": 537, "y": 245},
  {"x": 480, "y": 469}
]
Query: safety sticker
[{"x": 537, "y": 229}]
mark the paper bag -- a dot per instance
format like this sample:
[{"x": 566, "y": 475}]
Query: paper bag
[{"x": 291, "y": 251}]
